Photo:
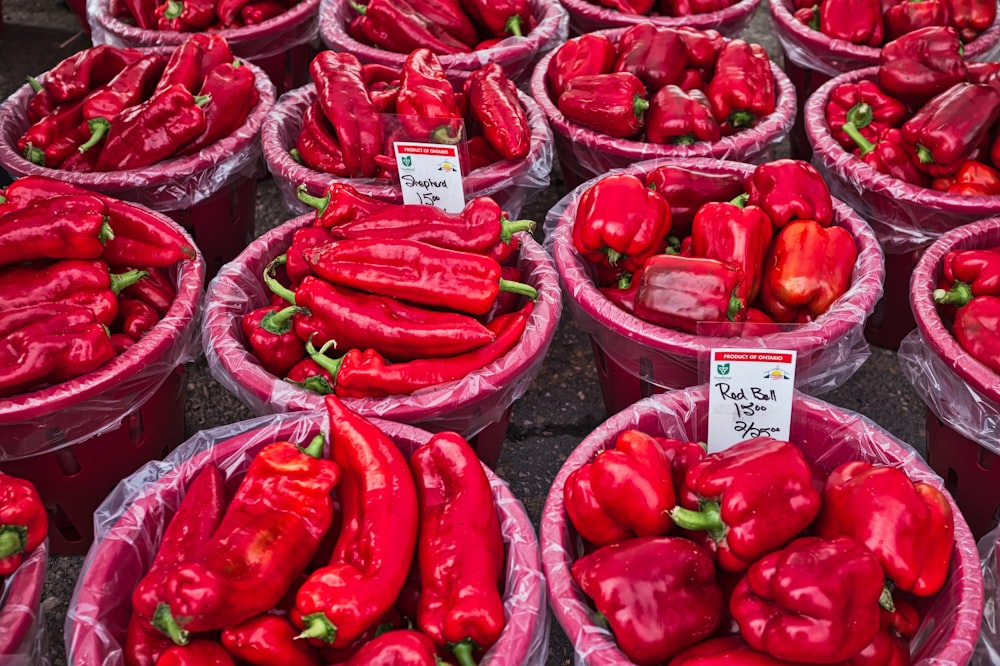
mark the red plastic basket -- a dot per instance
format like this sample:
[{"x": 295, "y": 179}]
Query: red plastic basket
[
  {"x": 584, "y": 153},
  {"x": 212, "y": 193},
  {"x": 828, "y": 436},
  {"x": 510, "y": 182},
  {"x": 478, "y": 406},
  {"x": 635, "y": 359},
  {"x": 23, "y": 639},
  {"x": 136, "y": 514},
  {"x": 586, "y": 16}
]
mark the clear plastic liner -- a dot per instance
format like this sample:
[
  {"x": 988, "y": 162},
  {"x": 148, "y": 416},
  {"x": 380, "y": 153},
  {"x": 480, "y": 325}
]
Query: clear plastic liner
[
  {"x": 98, "y": 402},
  {"x": 467, "y": 405},
  {"x": 586, "y": 152},
  {"x": 172, "y": 184},
  {"x": 586, "y": 16},
  {"x": 130, "y": 522},
  {"x": 830, "y": 348},
  {"x": 811, "y": 49},
  {"x": 24, "y": 640},
  {"x": 510, "y": 182},
  {"x": 905, "y": 217},
  {"x": 517, "y": 55},
  {"x": 828, "y": 436},
  {"x": 962, "y": 392},
  {"x": 988, "y": 646}
]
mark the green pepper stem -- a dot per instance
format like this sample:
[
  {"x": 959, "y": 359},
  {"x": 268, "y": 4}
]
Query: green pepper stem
[
  {"x": 98, "y": 129},
  {"x": 121, "y": 280},
  {"x": 519, "y": 288},
  {"x": 12, "y": 540},
  {"x": 510, "y": 227},
  {"x": 35, "y": 85},
  {"x": 741, "y": 201},
  {"x": 709, "y": 518},
  {"x": 315, "y": 446},
  {"x": 625, "y": 280},
  {"x": 513, "y": 26},
  {"x": 34, "y": 155},
  {"x": 684, "y": 140},
  {"x": 294, "y": 152},
  {"x": 331, "y": 365},
  {"x": 318, "y": 625},
  {"x": 202, "y": 100},
  {"x": 741, "y": 119},
  {"x": 463, "y": 652},
  {"x": 319, "y": 203},
  {"x": 280, "y": 322},
  {"x": 959, "y": 294},
  {"x": 106, "y": 233},
  {"x": 273, "y": 284},
  {"x": 173, "y": 10},
  {"x": 164, "y": 621},
  {"x": 613, "y": 256},
  {"x": 885, "y": 600},
  {"x": 851, "y": 130},
  {"x": 735, "y": 305},
  {"x": 358, "y": 7},
  {"x": 861, "y": 115},
  {"x": 925, "y": 155},
  {"x": 639, "y": 106},
  {"x": 316, "y": 384}
]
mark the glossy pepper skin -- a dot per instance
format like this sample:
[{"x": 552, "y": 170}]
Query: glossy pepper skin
[
  {"x": 268, "y": 640},
  {"x": 904, "y": 17},
  {"x": 73, "y": 77},
  {"x": 725, "y": 651},
  {"x": 753, "y": 498},
  {"x": 493, "y": 102},
  {"x": 809, "y": 267},
  {"x": 396, "y": 26},
  {"x": 680, "y": 291},
  {"x": 586, "y": 55},
  {"x": 340, "y": 203},
  {"x": 971, "y": 17},
  {"x": 401, "y": 647},
  {"x": 267, "y": 536},
  {"x": 193, "y": 59},
  {"x": 450, "y": 16},
  {"x": 630, "y": 6},
  {"x": 686, "y": 190},
  {"x": 614, "y": 104},
  {"x": 945, "y": 131},
  {"x": 459, "y": 548},
  {"x": 271, "y": 337},
  {"x": 788, "y": 189},
  {"x": 135, "y": 318},
  {"x": 185, "y": 15},
  {"x": 908, "y": 526},
  {"x": 920, "y": 64},
  {"x": 500, "y": 17},
  {"x": 793, "y": 604},
  {"x": 973, "y": 178},
  {"x": 54, "y": 138},
  {"x": 891, "y": 645},
  {"x": 737, "y": 234},
  {"x": 867, "y": 107},
  {"x": 24, "y": 523},
  {"x": 296, "y": 267},
  {"x": 977, "y": 330},
  {"x": 60, "y": 227},
  {"x": 232, "y": 89},
  {"x": 426, "y": 100},
  {"x": 658, "y": 594},
  {"x": 202, "y": 652},
  {"x": 656, "y": 55},
  {"x": 620, "y": 222},
  {"x": 887, "y": 155},
  {"x": 678, "y": 117},
  {"x": 591, "y": 520},
  {"x": 854, "y": 21},
  {"x": 970, "y": 273},
  {"x": 372, "y": 556},
  {"x": 742, "y": 90},
  {"x": 130, "y": 86},
  {"x": 316, "y": 145},
  {"x": 340, "y": 89}
]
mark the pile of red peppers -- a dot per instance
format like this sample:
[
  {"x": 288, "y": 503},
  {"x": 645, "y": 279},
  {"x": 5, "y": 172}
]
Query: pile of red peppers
[
  {"x": 349, "y": 554},
  {"x": 740, "y": 556},
  {"x": 968, "y": 295},
  {"x": 929, "y": 118},
  {"x": 665, "y": 7},
  {"x": 344, "y": 132},
  {"x": 378, "y": 299},
  {"x": 109, "y": 108},
  {"x": 662, "y": 84},
  {"x": 84, "y": 277},
  {"x": 716, "y": 253},
  {"x": 24, "y": 523},
  {"x": 197, "y": 15}
]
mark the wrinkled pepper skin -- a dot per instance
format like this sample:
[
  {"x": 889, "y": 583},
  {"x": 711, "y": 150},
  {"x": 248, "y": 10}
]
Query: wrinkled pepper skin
[
  {"x": 793, "y": 603},
  {"x": 977, "y": 329},
  {"x": 854, "y": 21},
  {"x": 232, "y": 88},
  {"x": 614, "y": 104},
  {"x": 397, "y": 26},
  {"x": 658, "y": 594},
  {"x": 24, "y": 524},
  {"x": 401, "y": 647},
  {"x": 737, "y": 234},
  {"x": 789, "y": 189},
  {"x": 460, "y": 548},
  {"x": 921, "y": 64},
  {"x": 586, "y": 55},
  {"x": 268, "y": 640},
  {"x": 686, "y": 190},
  {"x": 75, "y": 76},
  {"x": 591, "y": 520},
  {"x": 680, "y": 117},
  {"x": 742, "y": 90},
  {"x": 752, "y": 498},
  {"x": 656, "y": 55},
  {"x": 908, "y": 526},
  {"x": 426, "y": 102},
  {"x": 679, "y": 291},
  {"x": 493, "y": 102},
  {"x": 972, "y": 17},
  {"x": 340, "y": 89},
  {"x": 904, "y": 17},
  {"x": 60, "y": 227}
]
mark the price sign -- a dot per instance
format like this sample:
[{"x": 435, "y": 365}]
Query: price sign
[
  {"x": 430, "y": 173},
  {"x": 750, "y": 395}
]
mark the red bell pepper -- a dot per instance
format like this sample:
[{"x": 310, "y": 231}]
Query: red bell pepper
[
  {"x": 591, "y": 520},
  {"x": 794, "y": 605},
  {"x": 673, "y": 600},
  {"x": 614, "y": 104},
  {"x": 586, "y": 55},
  {"x": 620, "y": 222},
  {"x": 185, "y": 15},
  {"x": 969, "y": 273},
  {"x": 678, "y": 117},
  {"x": 396, "y": 26},
  {"x": 656, "y": 55},
  {"x": 426, "y": 101},
  {"x": 891, "y": 646},
  {"x": 686, "y": 190},
  {"x": 972, "y": 17},
  {"x": 268, "y": 640},
  {"x": 202, "y": 652},
  {"x": 370, "y": 562},
  {"x": 808, "y": 16},
  {"x": 500, "y": 17},
  {"x": 977, "y": 330},
  {"x": 809, "y": 268},
  {"x": 887, "y": 155},
  {"x": 742, "y": 91},
  {"x": 910, "y": 15},
  {"x": 734, "y": 233},
  {"x": 680, "y": 292},
  {"x": 401, "y": 647},
  {"x": 459, "y": 548},
  {"x": 752, "y": 498},
  {"x": 789, "y": 189},
  {"x": 60, "y": 227},
  {"x": 725, "y": 651},
  {"x": 867, "y": 107},
  {"x": 24, "y": 524},
  {"x": 921, "y": 64},
  {"x": 493, "y": 102},
  {"x": 703, "y": 47},
  {"x": 854, "y": 21},
  {"x": 908, "y": 526},
  {"x": 973, "y": 178},
  {"x": 271, "y": 338}
]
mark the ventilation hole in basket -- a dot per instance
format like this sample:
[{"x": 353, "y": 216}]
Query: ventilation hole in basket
[
  {"x": 67, "y": 461},
  {"x": 62, "y": 524},
  {"x": 951, "y": 481},
  {"x": 136, "y": 431},
  {"x": 985, "y": 458}
]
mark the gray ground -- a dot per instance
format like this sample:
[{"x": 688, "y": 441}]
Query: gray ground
[{"x": 563, "y": 404}]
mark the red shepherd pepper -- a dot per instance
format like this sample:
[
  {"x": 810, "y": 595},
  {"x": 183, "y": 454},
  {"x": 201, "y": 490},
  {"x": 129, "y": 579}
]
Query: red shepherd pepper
[
  {"x": 908, "y": 526},
  {"x": 948, "y": 128},
  {"x": 415, "y": 272},
  {"x": 977, "y": 329},
  {"x": 614, "y": 104},
  {"x": 680, "y": 291},
  {"x": 679, "y": 117},
  {"x": 370, "y": 562},
  {"x": 620, "y": 222},
  {"x": 970, "y": 273},
  {"x": 591, "y": 520},
  {"x": 735, "y": 233},
  {"x": 493, "y": 102},
  {"x": 426, "y": 100},
  {"x": 185, "y": 15},
  {"x": 228, "y": 11},
  {"x": 54, "y": 138},
  {"x": 316, "y": 146},
  {"x": 854, "y": 21},
  {"x": 887, "y": 155},
  {"x": 296, "y": 267},
  {"x": 789, "y": 190},
  {"x": 449, "y": 16},
  {"x": 742, "y": 90},
  {"x": 687, "y": 189},
  {"x": 921, "y": 64},
  {"x": 202, "y": 652},
  {"x": 268, "y": 640},
  {"x": 586, "y": 55},
  {"x": 340, "y": 203},
  {"x": 656, "y": 55},
  {"x": 142, "y": 11},
  {"x": 269, "y": 533},
  {"x": 459, "y": 548},
  {"x": 673, "y": 600},
  {"x": 904, "y": 17},
  {"x": 23, "y": 521},
  {"x": 130, "y": 86},
  {"x": 396, "y": 26},
  {"x": 401, "y": 647},
  {"x": 971, "y": 17},
  {"x": 271, "y": 337},
  {"x": 809, "y": 268},
  {"x": 867, "y": 107},
  {"x": 973, "y": 178},
  {"x": 194, "y": 58},
  {"x": 500, "y": 17},
  {"x": 753, "y": 498},
  {"x": 60, "y": 227},
  {"x": 254, "y": 13},
  {"x": 340, "y": 89},
  {"x": 87, "y": 70},
  {"x": 135, "y": 318},
  {"x": 232, "y": 91},
  {"x": 794, "y": 605}
]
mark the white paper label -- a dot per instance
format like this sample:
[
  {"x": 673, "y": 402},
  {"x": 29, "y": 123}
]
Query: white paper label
[
  {"x": 430, "y": 173},
  {"x": 750, "y": 395}
]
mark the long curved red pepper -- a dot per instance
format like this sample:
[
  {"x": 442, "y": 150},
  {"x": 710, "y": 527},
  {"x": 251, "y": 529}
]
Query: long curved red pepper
[
  {"x": 494, "y": 103},
  {"x": 268, "y": 640},
  {"x": 232, "y": 91},
  {"x": 426, "y": 100},
  {"x": 370, "y": 562},
  {"x": 61, "y": 227},
  {"x": 340, "y": 203},
  {"x": 129, "y": 87}
]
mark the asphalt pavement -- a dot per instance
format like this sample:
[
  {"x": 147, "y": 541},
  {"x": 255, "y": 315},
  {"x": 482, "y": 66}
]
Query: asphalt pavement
[{"x": 563, "y": 404}]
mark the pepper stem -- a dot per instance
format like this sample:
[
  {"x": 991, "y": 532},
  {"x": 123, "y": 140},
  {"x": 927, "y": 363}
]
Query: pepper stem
[
  {"x": 318, "y": 625},
  {"x": 885, "y": 600},
  {"x": 121, "y": 280},
  {"x": 98, "y": 128},
  {"x": 861, "y": 115},
  {"x": 741, "y": 201},
  {"x": 708, "y": 518},
  {"x": 959, "y": 294},
  {"x": 851, "y": 130},
  {"x": 741, "y": 119},
  {"x": 510, "y": 227},
  {"x": 924, "y": 154},
  {"x": 316, "y": 384},
  {"x": 319, "y": 203},
  {"x": 295, "y": 155},
  {"x": 735, "y": 305},
  {"x": 12, "y": 540},
  {"x": 164, "y": 620},
  {"x": 34, "y": 155},
  {"x": 273, "y": 284},
  {"x": 463, "y": 652},
  {"x": 315, "y": 446},
  {"x": 280, "y": 321},
  {"x": 613, "y": 256},
  {"x": 331, "y": 365},
  {"x": 173, "y": 10},
  {"x": 202, "y": 100},
  {"x": 625, "y": 280},
  {"x": 639, "y": 106},
  {"x": 519, "y": 288},
  {"x": 358, "y": 7},
  {"x": 684, "y": 140},
  {"x": 35, "y": 85},
  {"x": 106, "y": 233},
  {"x": 513, "y": 25}
]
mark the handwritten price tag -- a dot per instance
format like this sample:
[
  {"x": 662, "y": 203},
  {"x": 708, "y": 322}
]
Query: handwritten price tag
[
  {"x": 430, "y": 173},
  {"x": 750, "y": 395}
]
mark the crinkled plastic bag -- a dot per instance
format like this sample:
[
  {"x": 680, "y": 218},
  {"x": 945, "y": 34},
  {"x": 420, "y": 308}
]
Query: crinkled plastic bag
[
  {"x": 24, "y": 640},
  {"x": 586, "y": 16}
]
